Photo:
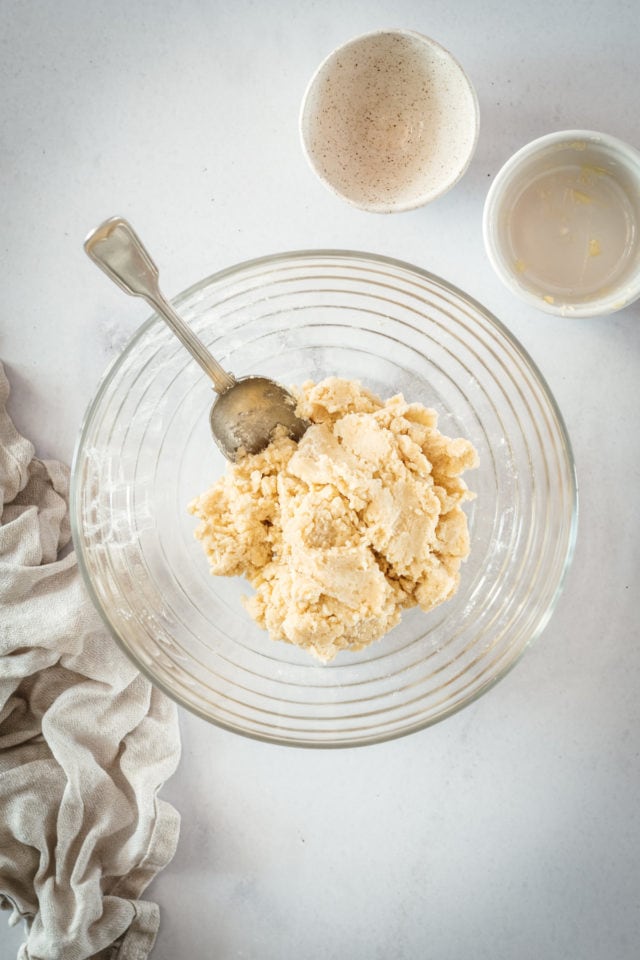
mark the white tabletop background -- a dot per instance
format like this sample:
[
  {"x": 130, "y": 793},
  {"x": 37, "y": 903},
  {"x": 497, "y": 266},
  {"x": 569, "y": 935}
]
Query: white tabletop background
[{"x": 512, "y": 829}]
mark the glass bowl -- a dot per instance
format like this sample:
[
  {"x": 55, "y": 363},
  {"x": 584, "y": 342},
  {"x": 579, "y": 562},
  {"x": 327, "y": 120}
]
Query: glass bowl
[{"x": 145, "y": 451}]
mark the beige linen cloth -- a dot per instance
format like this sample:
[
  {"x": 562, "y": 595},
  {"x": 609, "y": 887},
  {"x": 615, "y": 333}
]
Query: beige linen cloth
[{"x": 85, "y": 741}]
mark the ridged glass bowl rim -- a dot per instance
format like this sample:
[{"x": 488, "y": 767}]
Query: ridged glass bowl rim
[{"x": 294, "y": 256}]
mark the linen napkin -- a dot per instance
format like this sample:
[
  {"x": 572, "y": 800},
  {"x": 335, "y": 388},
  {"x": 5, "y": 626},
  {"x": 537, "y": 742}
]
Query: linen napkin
[{"x": 85, "y": 741}]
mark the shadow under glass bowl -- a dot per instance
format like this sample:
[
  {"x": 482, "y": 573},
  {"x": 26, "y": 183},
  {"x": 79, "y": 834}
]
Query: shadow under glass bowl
[{"x": 145, "y": 451}]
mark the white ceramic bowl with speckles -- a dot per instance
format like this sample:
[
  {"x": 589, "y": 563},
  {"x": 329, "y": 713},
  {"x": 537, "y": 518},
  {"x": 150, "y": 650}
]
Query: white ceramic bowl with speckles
[{"x": 389, "y": 121}]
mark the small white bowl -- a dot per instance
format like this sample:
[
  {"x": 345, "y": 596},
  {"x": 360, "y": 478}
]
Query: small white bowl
[
  {"x": 562, "y": 223},
  {"x": 389, "y": 121}
]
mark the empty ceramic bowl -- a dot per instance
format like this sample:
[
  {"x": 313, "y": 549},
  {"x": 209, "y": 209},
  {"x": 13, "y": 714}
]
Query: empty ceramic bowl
[
  {"x": 389, "y": 121},
  {"x": 562, "y": 223}
]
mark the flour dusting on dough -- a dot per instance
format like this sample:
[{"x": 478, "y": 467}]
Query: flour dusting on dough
[{"x": 342, "y": 531}]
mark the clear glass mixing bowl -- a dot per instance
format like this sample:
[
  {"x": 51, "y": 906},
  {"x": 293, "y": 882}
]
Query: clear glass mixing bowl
[{"x": 145, "y": 451}]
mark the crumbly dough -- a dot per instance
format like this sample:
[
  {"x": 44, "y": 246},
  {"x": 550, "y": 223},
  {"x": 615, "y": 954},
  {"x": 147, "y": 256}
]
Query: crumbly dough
[{"x": 342, "y": 531}]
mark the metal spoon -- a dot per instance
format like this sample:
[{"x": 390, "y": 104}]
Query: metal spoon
[{"x": 247, "y": 410}]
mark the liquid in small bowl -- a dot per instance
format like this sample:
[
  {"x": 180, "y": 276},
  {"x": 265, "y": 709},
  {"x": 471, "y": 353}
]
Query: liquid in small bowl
[{"x": 561, "y": 224}]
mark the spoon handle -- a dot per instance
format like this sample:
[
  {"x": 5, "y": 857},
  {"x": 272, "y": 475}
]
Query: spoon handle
[{"x": 117, "y": 249}]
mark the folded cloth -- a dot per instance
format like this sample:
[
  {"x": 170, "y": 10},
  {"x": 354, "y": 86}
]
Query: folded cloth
[{"x": 85, "y": 741}]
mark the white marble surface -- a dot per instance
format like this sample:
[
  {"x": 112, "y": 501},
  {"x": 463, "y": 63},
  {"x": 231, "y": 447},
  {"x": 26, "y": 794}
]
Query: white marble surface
[{"x": 512, "y": 829}]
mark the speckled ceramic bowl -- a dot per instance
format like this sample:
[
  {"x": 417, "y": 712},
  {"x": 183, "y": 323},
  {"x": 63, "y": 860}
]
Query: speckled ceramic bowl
[{"x": 389, "y": 121}]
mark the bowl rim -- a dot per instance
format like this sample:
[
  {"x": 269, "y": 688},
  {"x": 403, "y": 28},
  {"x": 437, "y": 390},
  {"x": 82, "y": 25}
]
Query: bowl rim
[
  {"x": 604, "y": 305},
  {"x": 294, "y": 256},
  {"x": 423, "y": 198}
]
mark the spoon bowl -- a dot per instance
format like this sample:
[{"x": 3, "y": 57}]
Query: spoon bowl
[{"x": 251, "y": 410}]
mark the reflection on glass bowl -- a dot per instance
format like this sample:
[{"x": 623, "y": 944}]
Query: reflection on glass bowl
[{"x": 145, "y": 451}]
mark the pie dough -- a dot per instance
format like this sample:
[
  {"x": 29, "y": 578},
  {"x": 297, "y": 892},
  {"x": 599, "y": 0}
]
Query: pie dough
[{"x": 342, "y": 531}]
